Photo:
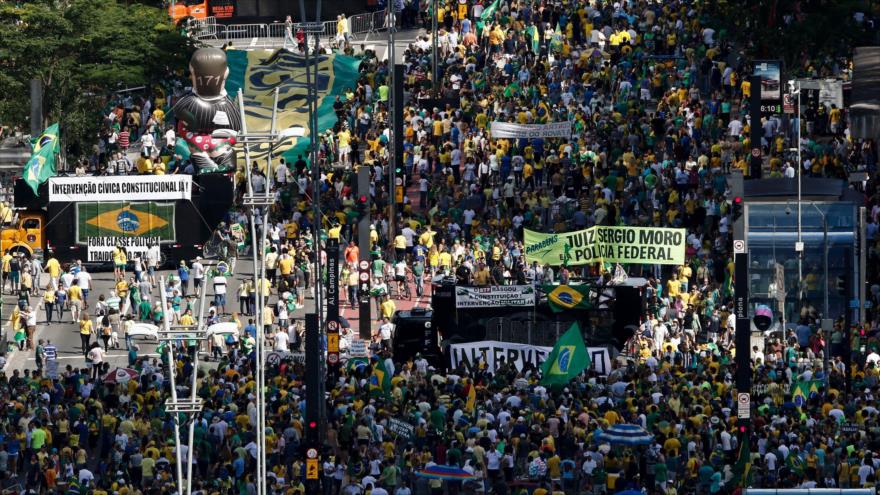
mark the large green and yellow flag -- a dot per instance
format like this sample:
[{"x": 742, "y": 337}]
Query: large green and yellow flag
[
  {"x": 125, "y": 220},
  {"x": 41, "y": 165},
  {"x": 259, "y": 72},
  {"x": 567, "y": 360},
  {"x": 565, "y": 297}
]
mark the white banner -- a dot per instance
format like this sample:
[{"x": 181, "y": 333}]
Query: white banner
[
  {"x": 122, "y": 188},
  {"x": 830, "y": 90},
  {"x": 494, "y": 296},
  {"x": 493, "y": 351},
  {"x": 101, "y": 248},
  {"x": 531, "y": 131}
]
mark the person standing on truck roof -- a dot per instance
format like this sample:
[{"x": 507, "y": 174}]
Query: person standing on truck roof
[
  {"x": 119, "y": 261},
  {"x": 153, "y": 255}
]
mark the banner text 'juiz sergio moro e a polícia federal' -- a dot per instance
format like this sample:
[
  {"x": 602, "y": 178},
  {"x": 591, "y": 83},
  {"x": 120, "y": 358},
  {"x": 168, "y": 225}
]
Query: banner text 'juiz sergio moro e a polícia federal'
[{"x": 641, "y": 245}]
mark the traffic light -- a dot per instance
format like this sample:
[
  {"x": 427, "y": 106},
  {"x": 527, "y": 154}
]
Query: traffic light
[
  {"x": 362, "y": 194},
  {"x": 737, "y": 194},
  {"x": 842, "y": 286},
  {"x": 362, "y": 202}
]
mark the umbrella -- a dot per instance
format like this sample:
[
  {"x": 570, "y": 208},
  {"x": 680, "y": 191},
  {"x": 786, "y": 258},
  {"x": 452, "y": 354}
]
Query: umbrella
[
  {"x": 120, "y": 375},
  {"x": 625, "y": 434},
  {"x": 445, "y": 473}
]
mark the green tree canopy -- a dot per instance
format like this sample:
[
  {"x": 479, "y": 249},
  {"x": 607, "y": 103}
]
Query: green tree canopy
[{"x": 82, "y": 51}]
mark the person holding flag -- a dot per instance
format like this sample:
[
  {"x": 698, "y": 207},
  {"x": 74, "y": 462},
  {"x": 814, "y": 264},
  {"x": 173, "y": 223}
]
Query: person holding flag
[
  {"x": 568, "y": 359},
  {"x": 41, "y": 164}
]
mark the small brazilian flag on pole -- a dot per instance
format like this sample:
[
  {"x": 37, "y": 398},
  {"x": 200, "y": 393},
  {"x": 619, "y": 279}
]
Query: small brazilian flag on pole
[
  {"x": 380, "y": 380},
  {"x": 567, "y": 360},
  {"x": 563, "y": 297},
  {"x": 41, "y": 165}
]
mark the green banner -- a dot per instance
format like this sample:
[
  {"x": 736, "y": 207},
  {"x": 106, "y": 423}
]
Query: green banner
[
  {"x": 125, "y": 220},
  {"x": 259, "y": 72},
  {"x": 642, "y": 245}
]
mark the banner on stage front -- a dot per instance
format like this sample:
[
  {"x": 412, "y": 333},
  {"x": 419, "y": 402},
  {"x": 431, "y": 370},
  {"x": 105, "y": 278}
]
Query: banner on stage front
[
  {"x": 531, "y": 131},
  {"x": 494, "y": 296},
  {"x": 100, "y": 248},
  {"x": 106, "y": 189},
  {"x": 519, "y": 355},
  {"x": 641, "y": 245}
]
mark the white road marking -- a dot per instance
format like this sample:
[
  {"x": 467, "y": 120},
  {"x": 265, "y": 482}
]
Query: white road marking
[{"x": 107, "y": 356}]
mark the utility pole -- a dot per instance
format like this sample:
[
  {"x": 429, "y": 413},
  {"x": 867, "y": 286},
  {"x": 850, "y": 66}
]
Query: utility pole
[
  {"x": 332, "y": 300},
  {"x": 364, "y": 247},
  {"x": 393, "y": 104},
  {"x": 435, "y": 84},
  {"x": 315, "y": 406},
  {"x": 742, "y": 333}
]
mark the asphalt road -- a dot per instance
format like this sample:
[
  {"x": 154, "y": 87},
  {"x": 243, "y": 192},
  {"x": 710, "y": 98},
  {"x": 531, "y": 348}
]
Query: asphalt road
[{"x": 65, "y": 334}]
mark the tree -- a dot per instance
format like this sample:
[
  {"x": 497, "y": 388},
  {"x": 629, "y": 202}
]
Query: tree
[{"x": 82, "y": 51}]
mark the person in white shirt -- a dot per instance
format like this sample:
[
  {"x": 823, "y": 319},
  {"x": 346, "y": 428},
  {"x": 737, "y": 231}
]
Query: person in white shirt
[
  {"x": 385, "y": 330},
  {"x": 281, "y": 341},
  {"x": 735, "y": 127},
  {"x": 170, "y": 138},
  {"x": 197, "y": 272},
  {"x": 154, "y": 254},
  {"x": 148, "y": 145},
  {"x": 67, "y": 280},
  {"x": 281, "y": 173},
  {"x": 219, "y": 282},
  {"x": 85, "y": 283},
  {"x": 96, "y": 359}
]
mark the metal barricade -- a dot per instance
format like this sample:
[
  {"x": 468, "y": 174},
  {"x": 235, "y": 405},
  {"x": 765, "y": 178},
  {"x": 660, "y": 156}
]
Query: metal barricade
[
  {"x": 272, "y": 35},
  {"x": 246, "y": 31},
  {"x": 202, "y": 29},
  {"x": 379, "y": 19},
  {"x": 278, "y": 30},
  {"x": 360, "y": 23}
]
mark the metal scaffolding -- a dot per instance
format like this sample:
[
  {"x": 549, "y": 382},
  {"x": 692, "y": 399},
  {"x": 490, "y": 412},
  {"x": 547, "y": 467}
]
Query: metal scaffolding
[{"x": 190, "y": 407}]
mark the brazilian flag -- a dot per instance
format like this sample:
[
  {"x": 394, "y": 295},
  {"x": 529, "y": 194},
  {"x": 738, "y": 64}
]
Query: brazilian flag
[
  {"x": 567, "y": 360},
  {"x": 795, "y": 463},
  {"x": 380, "y": 380},
  {"x": 125, "y": 219},
  {"x": 743, "y": 467},
  {"x": 41, "y": 164},
  {"x": 565, "y": 297}
]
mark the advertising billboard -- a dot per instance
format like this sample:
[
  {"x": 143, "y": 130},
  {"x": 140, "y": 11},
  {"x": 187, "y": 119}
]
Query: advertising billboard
[{"x": 770, "y": 72}]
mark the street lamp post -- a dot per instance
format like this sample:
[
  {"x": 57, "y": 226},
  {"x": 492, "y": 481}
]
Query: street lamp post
[
  {"x": 827, "y": 352},
  {"x": 434, "y": 83},
  {"x": 795, "y": 88}
]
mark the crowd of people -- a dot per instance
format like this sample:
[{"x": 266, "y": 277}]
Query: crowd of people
[{"x": 658, "y": 100}]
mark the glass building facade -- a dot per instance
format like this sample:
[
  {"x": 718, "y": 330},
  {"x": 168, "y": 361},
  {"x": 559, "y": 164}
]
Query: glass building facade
[{"x": 829, "y": 234}]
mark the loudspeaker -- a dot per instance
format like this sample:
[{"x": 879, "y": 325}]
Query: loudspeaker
[{"x": 628, "y": 312}]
